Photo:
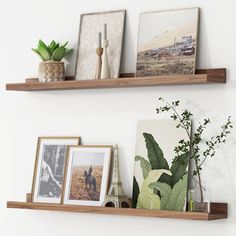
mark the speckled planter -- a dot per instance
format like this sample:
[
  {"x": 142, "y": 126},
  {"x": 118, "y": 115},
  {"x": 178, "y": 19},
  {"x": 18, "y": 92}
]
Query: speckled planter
[{"x": 50, "y": 71}]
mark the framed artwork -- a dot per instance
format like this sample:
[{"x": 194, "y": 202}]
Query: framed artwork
[
  {"x": 90, "y": 25},
  {"x": 167, "y": 42},
  {"x": 49, "y": 168},
  {"x": 160, "y": 175},
  {"x": 86, "y": 175}
]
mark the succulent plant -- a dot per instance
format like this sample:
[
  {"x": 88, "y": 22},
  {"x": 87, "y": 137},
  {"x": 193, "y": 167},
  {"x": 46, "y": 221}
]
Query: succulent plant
[{"x": 53, "y": 52}]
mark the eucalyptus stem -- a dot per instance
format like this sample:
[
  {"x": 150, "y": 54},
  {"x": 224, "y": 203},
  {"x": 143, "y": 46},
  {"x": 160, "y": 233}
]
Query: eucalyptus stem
[
  {"x": 199, "y": 182},
  {"x": 195, "y": 138}
]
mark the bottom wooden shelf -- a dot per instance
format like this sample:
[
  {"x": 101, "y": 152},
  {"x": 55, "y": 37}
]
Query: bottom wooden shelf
[{"x": 218, "y": 210}]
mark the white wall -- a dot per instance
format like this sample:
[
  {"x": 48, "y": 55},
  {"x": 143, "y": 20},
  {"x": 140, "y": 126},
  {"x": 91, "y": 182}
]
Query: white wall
[{"x": 105, "y": 116}]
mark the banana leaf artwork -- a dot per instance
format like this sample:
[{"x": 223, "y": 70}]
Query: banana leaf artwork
[{"x": 161, "y": 167}]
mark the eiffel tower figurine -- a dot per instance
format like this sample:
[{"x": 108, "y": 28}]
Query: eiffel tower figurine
[{"x": 116, "y": 196}]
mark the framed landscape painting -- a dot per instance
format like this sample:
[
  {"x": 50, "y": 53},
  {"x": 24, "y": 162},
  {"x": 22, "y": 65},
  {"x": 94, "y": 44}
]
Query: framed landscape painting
[
  {"x": 160, "y": 175},
  {"x": 49, "y": 168},
  {"x": 87, "y": 174},
  {"x": 167, "y": 42}
]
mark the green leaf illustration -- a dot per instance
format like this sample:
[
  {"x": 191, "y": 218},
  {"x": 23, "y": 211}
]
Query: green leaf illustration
[
  {"x": 178, "y": 168},
  {"x": 145, "y": 165},
  {"x": 147, "y": 199},
  {"x": 155, "y": 154},
  {"x": 165, "y": 192},
  {"x": 177, "y": 198},
  {"x": 135, "y": 193}
]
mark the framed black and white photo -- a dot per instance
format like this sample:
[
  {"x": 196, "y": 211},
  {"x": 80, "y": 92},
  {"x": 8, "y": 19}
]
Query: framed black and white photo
[
  {"x": 49, "y": 168},
  {"x": 86, "y": 175}
]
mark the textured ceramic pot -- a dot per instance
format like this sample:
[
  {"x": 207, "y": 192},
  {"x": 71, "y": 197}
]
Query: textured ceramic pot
[{"x": 50, "y": 71}]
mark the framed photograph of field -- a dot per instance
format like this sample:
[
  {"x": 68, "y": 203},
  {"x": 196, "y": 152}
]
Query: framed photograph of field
[
  {"x": 49, "y": 168},
  {"x": 86, "y": 175},
  {"x": 167, "y": 42}
]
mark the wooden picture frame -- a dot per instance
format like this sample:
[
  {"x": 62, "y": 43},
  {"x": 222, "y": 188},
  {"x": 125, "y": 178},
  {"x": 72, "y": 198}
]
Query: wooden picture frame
[
  {"x": 86, "y": 175},
  {"x": 86, "y": 57},
  {"x": 49, "y": 168},
  {"x": 167, "y": 42}
]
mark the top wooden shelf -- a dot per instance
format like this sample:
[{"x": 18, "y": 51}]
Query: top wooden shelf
[{"x": 203, "y": 76}]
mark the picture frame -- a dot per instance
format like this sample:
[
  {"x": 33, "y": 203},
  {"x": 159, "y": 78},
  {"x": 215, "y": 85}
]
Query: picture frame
[
  {"x": 160, "y": 179},
  {"x": 90, "y": 25},
  {"x": 86, "y": 175},
  {"x": 49, "y": 168},
  {"x": 168, "y": 46}
]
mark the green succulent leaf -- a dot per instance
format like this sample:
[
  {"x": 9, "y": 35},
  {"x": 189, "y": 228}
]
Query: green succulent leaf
[
  {"x": 165, "y": 192},
  {"x": 177, "y": 198},
  {"x": 65, "y": 44},
  {"x": 52, "y": 44},
  {"x": 37, "y": 52},
  {"x": 58, "y": 54},
  {"x": 136, "y": 192},
  {"x": 68, "y": 51},
  {"x": 42, "y": 44},
  {"x": 145, "y": 165},
  {"x": 155, "y": 154},
  {"x": 51, "y": 52},
  {"x": 45, "y": 54}
]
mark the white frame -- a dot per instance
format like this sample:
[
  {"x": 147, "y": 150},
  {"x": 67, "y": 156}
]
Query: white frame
[
  {"x": 107, "y": 150},
  {"x": 38, "y": 161}
]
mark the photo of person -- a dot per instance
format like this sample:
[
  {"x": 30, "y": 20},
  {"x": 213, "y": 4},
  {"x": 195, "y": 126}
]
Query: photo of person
[
  {"x": 49, "y": 168},
  {"x": 52, "y": 170},
  {"x": 87, "y": 174}
]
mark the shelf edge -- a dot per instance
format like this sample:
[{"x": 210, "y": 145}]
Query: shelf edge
[{"x": 117, "y": 211}]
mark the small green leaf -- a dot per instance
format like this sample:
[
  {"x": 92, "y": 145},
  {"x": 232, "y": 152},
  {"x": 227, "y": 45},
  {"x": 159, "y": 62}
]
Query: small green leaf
[
  {"x": 145, "y": 165},
  {"x": 52, "y": 44},
  {"x": 45, "y": 54},
  {"x": 37, "y": 52},
  {"x": 64, "y": 45},
  {"x": 135, "y": 193},
  {"x": 68, "y": 51},
  {"x": 58, "y": 54},
  {"x": 42, "y": 44}
]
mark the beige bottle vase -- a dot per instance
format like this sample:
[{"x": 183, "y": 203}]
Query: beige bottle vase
[{"x": 105, "y": 73}]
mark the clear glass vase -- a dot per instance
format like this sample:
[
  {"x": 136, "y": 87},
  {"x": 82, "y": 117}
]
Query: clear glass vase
[{"x": 195, "y": 202}]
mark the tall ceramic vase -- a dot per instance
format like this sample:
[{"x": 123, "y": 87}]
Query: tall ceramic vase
[{"x": 105, "y": 73}]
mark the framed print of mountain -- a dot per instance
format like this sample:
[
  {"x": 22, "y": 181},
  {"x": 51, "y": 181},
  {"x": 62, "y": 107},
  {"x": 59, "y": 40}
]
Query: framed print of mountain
[
  {"x": 167, "y": 42},
  {"x": 161, "y": 171}
]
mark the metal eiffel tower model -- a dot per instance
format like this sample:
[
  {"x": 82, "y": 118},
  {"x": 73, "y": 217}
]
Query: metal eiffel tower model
[{"x": 116, "y": 196}]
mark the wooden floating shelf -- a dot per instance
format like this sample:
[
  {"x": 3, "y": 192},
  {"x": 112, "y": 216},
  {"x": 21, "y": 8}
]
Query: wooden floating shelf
[
  {"x": 207, "y": 76},
  {"x": 218, "y": 211}
]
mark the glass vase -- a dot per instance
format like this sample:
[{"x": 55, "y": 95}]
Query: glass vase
[{"x": 195, "y": 203}]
